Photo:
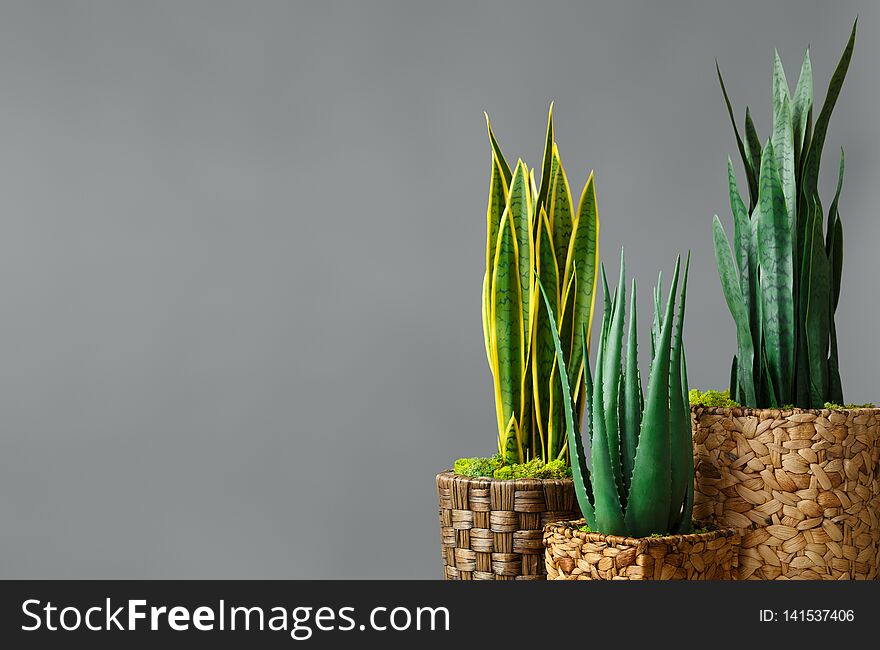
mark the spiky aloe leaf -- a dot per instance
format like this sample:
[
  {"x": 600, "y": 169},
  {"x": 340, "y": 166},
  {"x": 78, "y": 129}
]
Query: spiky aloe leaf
[
  {"x": 650, "y": 494},
  {"x": 567, "y": 334},
  {"x": 632, "y": 397},
  {"x": 783, "y": 137},
  {"x": 609, "y": 513},
  {"x": 682, "y": 469},
  {"x": 543, "y": 356},
  {"x": 751, "y": 176},
  {"x": 611, "y": 373},
  {"x": 579, "y": 470},
  {"x": 578, "y": 443},
  {"x": 801, "y": 105},
  {"x": 505, "y": 168},
  {"x": 655, "y": 322},
  {"x": 775, "y": 257},
  {"x": 685, "y": 390},
  {"x": 507, "y": 339},
  {"x": 561, "y": 211},
  {"x": 818, "y": 321},
  {"x": 606, "y": 301},
  {"x": 582, "y": 260},
  {"x": 546, "y": 163},
  {"x": 733, "y": 295}
]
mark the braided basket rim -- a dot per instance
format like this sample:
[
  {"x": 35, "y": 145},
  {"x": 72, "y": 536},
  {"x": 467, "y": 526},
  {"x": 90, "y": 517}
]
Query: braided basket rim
[
  {"x": 746, "y": 411},
  {"x": 447, "y": 474},
  {"x": 616, "y": 540}
]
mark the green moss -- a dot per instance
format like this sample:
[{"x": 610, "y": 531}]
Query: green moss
[
  {"x": 477, "y": 466},
  {"x": 534, "y": 469},
  {"x": 722, "y": 398},
  {"x": 711, "y": 398},
  {"x": 694, "y": 531},
  {"x": 831, "y": 405},
  {"x": 495, "y": 468}
]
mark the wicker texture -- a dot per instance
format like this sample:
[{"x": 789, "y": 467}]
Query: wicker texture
[
  {"x": 573, "y": 554},
  {"x": 492, "y": 529},
  {"x": 803, "y": 486}
]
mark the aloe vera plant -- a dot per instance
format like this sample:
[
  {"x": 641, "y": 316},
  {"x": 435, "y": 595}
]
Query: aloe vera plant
[
  {"x": 640, "y": 477},
  {"x": 534, "y": 231},
  {"x": 782, "y": 281}
]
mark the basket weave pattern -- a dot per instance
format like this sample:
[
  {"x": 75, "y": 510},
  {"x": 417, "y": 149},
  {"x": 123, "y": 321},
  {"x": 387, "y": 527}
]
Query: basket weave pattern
[
  {"x": 804, "y": 487},
  {"x": 573, "y": 554},
  {"x": 493, "y": 529}
]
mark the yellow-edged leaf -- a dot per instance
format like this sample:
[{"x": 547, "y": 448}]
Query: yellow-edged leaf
[
  {"x": 519, "y": 206},
  {"x": 583, "y": 261},
  {"x": 543, "y": 351},
  {"x": 561, "y": 210},
  {"x": 507, "y": 323}
]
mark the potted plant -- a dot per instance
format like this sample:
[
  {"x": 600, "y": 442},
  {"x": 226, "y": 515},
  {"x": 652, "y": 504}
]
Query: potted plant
[
  {"x": 793, "y": 468},
  {"x": 493, "y": 510},
  {"x": 636, "y": 493}
]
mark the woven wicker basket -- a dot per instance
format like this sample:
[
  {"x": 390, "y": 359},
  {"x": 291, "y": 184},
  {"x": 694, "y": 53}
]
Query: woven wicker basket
[
  {"x": 573, "y": 554},
  {"x": 493, "y": 529},
  {"x": 803, "y": 486}
]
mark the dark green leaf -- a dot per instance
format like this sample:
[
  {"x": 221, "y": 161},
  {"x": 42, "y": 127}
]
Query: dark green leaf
[
  {"x": 734, "y": 296},
  {"x": 750, "y": 173},
  {"x": 817, "y": 323},
  {"x": 814, "y": 155},
  {"x": 775, "y": 257},
  {"x": 632, "y": 413},
  {"x": 650, "y": 494}
]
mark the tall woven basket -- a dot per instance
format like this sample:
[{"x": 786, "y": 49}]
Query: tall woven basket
[
  {"x": 493, "y": 529},
  {"x": 802, "y": 485}
]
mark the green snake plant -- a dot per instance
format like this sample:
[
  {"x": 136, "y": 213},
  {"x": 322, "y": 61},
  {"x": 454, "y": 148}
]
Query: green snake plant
[
  {"x": 535, "y": 232},
  {"x": 640, "y": 477},
  {"x": 782, "y": 282}
]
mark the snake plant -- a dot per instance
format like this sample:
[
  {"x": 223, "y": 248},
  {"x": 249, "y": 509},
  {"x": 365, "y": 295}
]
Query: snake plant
[
  {"x": 535, "y": 232},
  {"x": 640, "y": 477},
  {"x": 782, "y": 283}
]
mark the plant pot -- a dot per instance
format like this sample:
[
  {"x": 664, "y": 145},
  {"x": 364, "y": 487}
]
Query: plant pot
[
  {"x": 573, "y": 554},
  {"x": 492, "y": 529},
  {"x": 802, "y": 485}
]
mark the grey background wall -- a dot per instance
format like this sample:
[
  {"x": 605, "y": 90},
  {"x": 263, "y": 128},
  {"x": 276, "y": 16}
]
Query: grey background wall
[{"x": 241, "y": 248}]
